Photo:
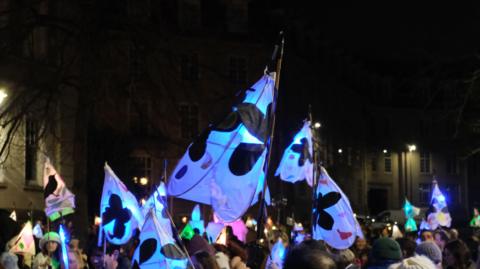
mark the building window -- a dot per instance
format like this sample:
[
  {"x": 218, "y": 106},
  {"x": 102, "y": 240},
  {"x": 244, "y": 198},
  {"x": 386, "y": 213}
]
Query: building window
[
  {"x": 139, "y": 111},
  {"x": 425, "y": 190},
  {"x": 189, "y": 67},
  {"x": 188, "y": 120},
  {"x": 452, "y": 165},
  {"x": 31, "y": 132},
  {"x": 238, "y": 70},
  {"x": 388, "y": 162},
  {"x": 425, "y": 165}
]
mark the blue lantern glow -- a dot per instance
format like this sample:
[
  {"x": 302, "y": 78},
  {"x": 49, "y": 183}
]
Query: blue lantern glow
[{"x": 63, "y": 239}]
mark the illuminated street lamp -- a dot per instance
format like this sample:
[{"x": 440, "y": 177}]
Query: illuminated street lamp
[
  {"x": 340, "y": 151},
  {"x": 385, "y": 151},
  {"x": 317, "y": 125},
  {"x": 412, "y": 148},
  {"x": 3, "y": 95},
  {"x": 143, "y": 181}
]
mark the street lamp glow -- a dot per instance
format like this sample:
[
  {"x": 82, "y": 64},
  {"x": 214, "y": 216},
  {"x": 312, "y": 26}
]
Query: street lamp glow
[
  {"x": 412, "y": 148},
  {"x": 143, "y": 181},
  {"x": 3, "y": 95},
  {"x": 317, "y": 125},
  {"x": 340, "y": 151},
  {"x": 385, "y": 151}
]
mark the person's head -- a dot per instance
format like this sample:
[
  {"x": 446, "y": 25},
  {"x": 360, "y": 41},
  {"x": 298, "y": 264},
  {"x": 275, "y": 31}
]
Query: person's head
[
  {"x": 343, "y": 258},
  {"x": 73, "y": 244},
  {"x": 9, "y": 260},
  {"x": 426, "y": 235},
  {"x": 441, "y": 238},
  {"x": 49, "y": 243},
  {"x": 407, "y": 246},
  {"x": 385, "y": 249},
  {"x": 206, "y": 260},
  {"x": 456, "y": 254},
  {"x": 475, "y": 211},
  {"x": 306, "y": 257},
  {"x": 415, "y": 262},
  {"x": 196, "y": 231},
  {"x": 430, "y": 250},
  {"x": 229, "y": 230},
  {"x": 360, "y": 243},
  {"x": 453, "y": 234}
]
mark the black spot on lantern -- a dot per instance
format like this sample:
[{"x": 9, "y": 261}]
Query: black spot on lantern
[
  {"x": 199, "y": 145},
  {"x": 181, "y": 172},
  {"x": 254, "y": 120},
  {"x": 302, "y": 148},
  {"x": 147, "y": 249},
  {"x": 323, "y": 202},
  {"x": 244, "y": 158},
  {"x": 115, "y": 211},
  {"x": 50, "y": 187}
]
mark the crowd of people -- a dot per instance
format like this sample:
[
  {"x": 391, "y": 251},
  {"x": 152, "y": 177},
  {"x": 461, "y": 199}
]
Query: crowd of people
[{"x": 441, "y": 248}]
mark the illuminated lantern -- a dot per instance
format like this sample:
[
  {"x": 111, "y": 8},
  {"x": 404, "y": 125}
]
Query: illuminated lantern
[
  {"x": 187, "y": 232},
  {"x": 438, "y": 214},
  {"x": 223, "y": 167},
  {"x": 24, "y": 242},
  {"x": 59, "y": 201},
  {"x": 277, "y": 255},
  {"x": 157, "y": 249},
  {"x": 119, "y": 210},
  {"x": 63, "y": 245},
  {"x": 197, "y": 221},
  {"x": 410, "y": 213},
  {"x": 37, "y": 230},
  {"x": 297, "y": 160},
  {"x": 333, "y": 215},
  {"x": 213, "y": 230},
  {"x": 157, "y": 202},
  {"x": 396, "y": 233}
]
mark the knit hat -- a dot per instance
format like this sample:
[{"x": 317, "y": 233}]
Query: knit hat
[
  {"x": 430, "y": 250},
  {"x": 386, "y": 249},
  {"x": 415, "y": 262},
  {"x": 9, "y": 260},
  {"x": 50, "y": 236}
]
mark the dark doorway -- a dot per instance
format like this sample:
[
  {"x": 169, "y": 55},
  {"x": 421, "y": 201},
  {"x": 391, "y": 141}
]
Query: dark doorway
[{"x": 377, "y": 200}]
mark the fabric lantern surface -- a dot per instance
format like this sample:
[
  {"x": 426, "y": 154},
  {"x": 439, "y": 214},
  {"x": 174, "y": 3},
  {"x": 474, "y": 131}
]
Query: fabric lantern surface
[
  {"x": 223, "y": 165},
  {"x": 438, "y": 214},
  {"x": 333, "y": 216},
  {"x": 24, "y": 242},
  {"x": 277, "y": 255},
  {"x": 410, "y": 212},
  {"x": 297, "y": 160},
  {"x": 59, "y": 201},
  {"x": 119, "y": 210},
  {"x": 196, "y": 220},
  {"x": 213, "y": 230},
  {"x": 157, "y": 249},
  {"x": 157, "y": 202}
]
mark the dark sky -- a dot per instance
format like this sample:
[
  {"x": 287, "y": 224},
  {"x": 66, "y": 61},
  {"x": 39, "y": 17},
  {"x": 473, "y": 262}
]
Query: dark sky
[{"x": 401, "y": 30}]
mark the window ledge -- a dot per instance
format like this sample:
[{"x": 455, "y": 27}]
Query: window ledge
[
  {"x": 3, "y": 185},
  {"x": 33, "y": 188}
]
